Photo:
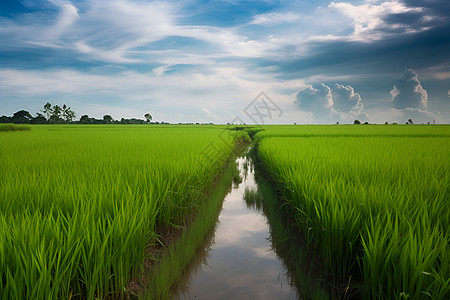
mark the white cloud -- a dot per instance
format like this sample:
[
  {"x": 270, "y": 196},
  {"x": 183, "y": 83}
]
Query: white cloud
[
  {"x": 368, "y": 19},
  {"x": 420, "y": 115},
  {"x": 67, "y": 17},
  {"x": 210, "y": 114},
  {"x": 230, "y": 42},
  {"x": 275, "y": 18},
  {"x": 116, "y": 31},
  {"x": 199, "y": 97},
  {"x": 327, "y": 104},
  {"x": 410, "y": 99},
  {"x": 346, "y": 100},
  {"x": 316, "y": 100},
  {"x": 408, "y": 92},
  {"x": 108, "y": 30}
]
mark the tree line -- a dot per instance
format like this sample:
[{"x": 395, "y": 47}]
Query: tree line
[
  {"x": 56, "y": 114},
  {"x": 357, "y": 122}
]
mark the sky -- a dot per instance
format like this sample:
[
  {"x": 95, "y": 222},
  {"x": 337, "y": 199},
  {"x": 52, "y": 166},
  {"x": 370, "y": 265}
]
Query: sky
[{"x": 229, "y": 61}]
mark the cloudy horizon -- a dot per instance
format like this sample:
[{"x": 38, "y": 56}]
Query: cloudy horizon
[{"x": 206, "y": 61}]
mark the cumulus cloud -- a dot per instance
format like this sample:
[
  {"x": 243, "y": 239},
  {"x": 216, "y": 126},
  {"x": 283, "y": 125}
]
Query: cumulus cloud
[
  {"x": 417, "y": 115},
  {"x": 410, "y": 99},
  {"x": 327, "y": 104},
  {"x": 408, "y": 92},
  {"x": 316, "y": 100},
  {"x": 346, "y": 100}
]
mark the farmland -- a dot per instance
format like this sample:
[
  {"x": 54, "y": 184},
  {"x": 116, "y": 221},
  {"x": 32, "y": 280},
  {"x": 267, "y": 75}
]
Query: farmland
[
  {"x": 84, "y": 209},
  {"x": 375, "y": 199},
  {"x": 79, "y": 205}
]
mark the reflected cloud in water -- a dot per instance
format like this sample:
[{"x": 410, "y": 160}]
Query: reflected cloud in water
[{"x": 239, "y": 262}]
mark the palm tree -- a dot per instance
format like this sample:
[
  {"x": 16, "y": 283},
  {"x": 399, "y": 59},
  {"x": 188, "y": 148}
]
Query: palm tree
[{"x": 148, "y": 117}]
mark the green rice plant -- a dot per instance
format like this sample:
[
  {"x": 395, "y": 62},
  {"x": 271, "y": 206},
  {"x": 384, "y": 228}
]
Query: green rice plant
[
  {"x": 377, "y": 205},
  {"x": 13, "y": 127},
  {"x": 80, "y": 204},
  {"x": 354, "y": 131}
]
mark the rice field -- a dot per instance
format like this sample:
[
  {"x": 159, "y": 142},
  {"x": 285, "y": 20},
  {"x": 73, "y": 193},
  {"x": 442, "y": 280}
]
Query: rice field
[
  {"x": 374, "y": 198},
  {"x": 13, "y": 127},
  {"x": 80, "y": 204}
]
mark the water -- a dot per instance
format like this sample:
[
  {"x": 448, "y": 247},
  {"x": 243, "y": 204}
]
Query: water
[{"x": 238, "y": 261}]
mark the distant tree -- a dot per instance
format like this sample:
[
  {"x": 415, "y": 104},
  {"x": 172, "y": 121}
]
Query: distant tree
[
  {"x": 22, "y": 117},
  {"x": 85, "y": 119},
  {"x": 48, "y": 110},
  {"x": 39, "y": 119},
  {"x": 386, "y": 123},
  {"x": 67, "y": 114},
  {"x": 56, "y": 116},
  {"x": 366, "y": 123},
  {"x": 148, "y": 117},
  {"x": 357, "y": 122},
  {"x": 410, "y": 121},
  {"x": 137, "y": 121},
  {"x": 107, "y": 119},
  {"x": 5, "y": 119}
]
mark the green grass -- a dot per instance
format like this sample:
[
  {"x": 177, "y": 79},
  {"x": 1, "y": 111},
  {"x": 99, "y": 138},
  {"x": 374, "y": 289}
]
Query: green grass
[
  {"x": 376, "y": 202},
  {"x": 353, "y": 130},
  {"x": 80, "y": 204},
  {"x": 13, "y": 127}
]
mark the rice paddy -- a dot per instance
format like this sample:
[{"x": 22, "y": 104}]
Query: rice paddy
[
  {"x": 80, "y": 206},
  {"x": 375, "y": 201}
]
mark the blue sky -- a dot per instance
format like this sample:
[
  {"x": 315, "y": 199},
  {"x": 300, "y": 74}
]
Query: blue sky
[{"x": 206, "y": 61}]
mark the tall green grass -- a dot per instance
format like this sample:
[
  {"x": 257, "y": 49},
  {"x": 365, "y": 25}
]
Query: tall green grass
[
  {"x": 377, "y": 205},
  {"x": 80, "y": 204},
  {"x": 353, "y": 130},
  {"x": 13, "y": 127}
]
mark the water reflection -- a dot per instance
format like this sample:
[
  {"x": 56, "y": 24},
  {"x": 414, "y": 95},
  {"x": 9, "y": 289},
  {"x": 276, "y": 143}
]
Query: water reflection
[{"x": 238, "y": 261}]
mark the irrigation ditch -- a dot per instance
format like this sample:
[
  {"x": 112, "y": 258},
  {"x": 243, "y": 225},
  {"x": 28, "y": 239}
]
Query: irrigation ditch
[
  {"x": 241, "y": 243},
  {"x": 239, "y": 261}
]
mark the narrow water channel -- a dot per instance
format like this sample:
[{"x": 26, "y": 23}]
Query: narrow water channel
[{"x": 238, "y": 261}]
